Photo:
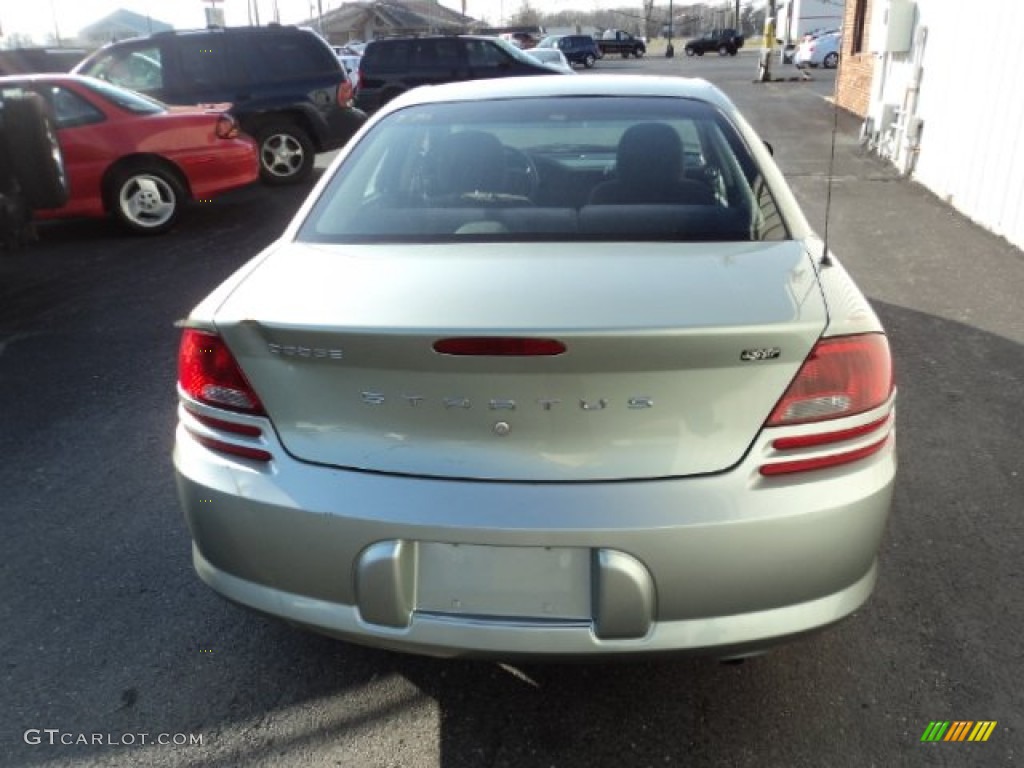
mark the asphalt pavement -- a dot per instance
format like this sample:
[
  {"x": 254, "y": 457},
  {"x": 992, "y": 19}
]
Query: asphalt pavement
[{"x": 108, "y": 635}]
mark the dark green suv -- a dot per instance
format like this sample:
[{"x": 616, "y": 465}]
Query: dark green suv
[{"x": 288, "y": 89}]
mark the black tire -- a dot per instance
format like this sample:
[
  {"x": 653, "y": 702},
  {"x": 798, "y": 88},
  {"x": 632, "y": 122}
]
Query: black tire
[
  {"x": 286, "y": 153},
  {"x": 588, "y": 61},
  {"x": 689, "y": 51},
  {"x": 639, "y": 53},
  {"x": 732, "y": 52},
  {"x": 146, "y": 198},
  {"x": 34, "y": 153},
  {"x": 625, "y": 53},
  {"x": 723, "y": 50},
  {"x": 831, "y": 60},
  {"x": 700, "y": 53}
]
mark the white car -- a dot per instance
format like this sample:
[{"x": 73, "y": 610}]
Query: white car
[
  {"x": 544, "y": 367},
  {"x": 553, "y": 58},
  {"x": 821, "y": 51},
  {"x": 350, "y": 61}
]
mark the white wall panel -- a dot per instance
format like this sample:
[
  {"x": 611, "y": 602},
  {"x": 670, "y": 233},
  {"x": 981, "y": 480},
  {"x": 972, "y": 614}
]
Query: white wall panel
[{"x": 972, "y": 103}]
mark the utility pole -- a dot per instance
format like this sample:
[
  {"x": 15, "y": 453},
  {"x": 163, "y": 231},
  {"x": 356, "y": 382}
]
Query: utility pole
[
  {"x": 670, "y": 51},
  {"x": 764, "y": 64}
]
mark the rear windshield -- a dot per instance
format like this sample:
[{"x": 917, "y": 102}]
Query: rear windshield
[
  {"x": 125, "y": 99},
  {"x": 567, "y": 168}
]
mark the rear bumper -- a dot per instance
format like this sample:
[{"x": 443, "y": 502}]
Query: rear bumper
[
  {"x": 722, "y": 565},
  {"x": 233, "y": 164},
  {"x": 447, "y": 636}
]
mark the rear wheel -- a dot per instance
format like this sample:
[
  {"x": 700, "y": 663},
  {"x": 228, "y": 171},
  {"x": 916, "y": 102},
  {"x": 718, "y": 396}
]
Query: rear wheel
[
  {"x": 625, "y": 53},
  {"x": 831, "y": 60},
  {"x": 723, "y": 50},
  {"x": 690, "y": 51},
  {"x": 147, "y": 199},
  {"x": 286, "y": 153},
  {"x": 588, "y": 60},
  {"x": 35, "y": 157}
]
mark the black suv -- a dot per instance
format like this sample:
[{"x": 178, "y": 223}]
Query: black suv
[
  {"x": 577, "y": 49},
  {"x": 725, "y": 41},
  {"x": 393, "y": 65},
  {"x": 288, "y": 89}
]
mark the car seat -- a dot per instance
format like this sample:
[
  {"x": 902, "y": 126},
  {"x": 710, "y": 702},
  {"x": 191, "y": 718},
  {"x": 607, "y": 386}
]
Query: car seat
[{"x": 649, "y": 170}]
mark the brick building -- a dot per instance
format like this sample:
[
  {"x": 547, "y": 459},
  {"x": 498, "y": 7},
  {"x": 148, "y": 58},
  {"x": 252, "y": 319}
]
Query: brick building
[{"x": 857, "y": 63}]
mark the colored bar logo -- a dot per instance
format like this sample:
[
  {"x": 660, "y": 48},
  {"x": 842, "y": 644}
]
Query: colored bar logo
[{"x": 958, "y": 730}]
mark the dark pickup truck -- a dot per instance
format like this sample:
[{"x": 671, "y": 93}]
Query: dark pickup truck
[
  {"x": 725, "y": 41},
  {"x": 616, "y": 41},
  {"x": 31, "y": 165}
]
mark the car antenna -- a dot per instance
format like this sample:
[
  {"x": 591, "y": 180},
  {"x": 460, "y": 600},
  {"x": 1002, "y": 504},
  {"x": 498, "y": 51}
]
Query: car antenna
[{"x": 826, "y": 260}]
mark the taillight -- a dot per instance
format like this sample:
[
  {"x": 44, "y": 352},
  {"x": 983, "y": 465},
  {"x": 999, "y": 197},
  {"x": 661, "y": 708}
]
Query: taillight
[
  {"x": 842, "y": 376},
  {"x": 486, "y": 346},
  {"x": 345, "y": 93},
  {"x": 208, "y": 372},
  {"x": 227, "y": 127}
]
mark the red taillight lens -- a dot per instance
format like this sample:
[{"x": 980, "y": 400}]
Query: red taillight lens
[
  {"x": 227, "y": 127},
  {"x": 823, "y": 462},
  {"x": 345, "y": 93},
  {"x": 242, "y": 451},
  {"x": 826, "y": 438},
  {"x": 208, "y": 372},
  {"x": 499, "y": 347},
  {"x": 842, "y": 376}
]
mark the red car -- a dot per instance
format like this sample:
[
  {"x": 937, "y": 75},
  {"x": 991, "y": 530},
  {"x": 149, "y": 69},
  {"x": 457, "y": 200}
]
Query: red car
[{"x": 136, "y": 159}]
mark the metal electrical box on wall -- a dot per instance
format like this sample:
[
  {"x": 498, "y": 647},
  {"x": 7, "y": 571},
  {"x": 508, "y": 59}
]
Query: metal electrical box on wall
[{"x": 892, "y": 27}]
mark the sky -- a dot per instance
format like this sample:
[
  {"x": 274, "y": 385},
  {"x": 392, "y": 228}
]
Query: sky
[{"x": 43, "y": 18}]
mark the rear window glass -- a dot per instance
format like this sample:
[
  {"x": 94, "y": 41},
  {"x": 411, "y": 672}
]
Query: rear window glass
[
  {"x": 436, "y": 54},
  {"x": 138, "y": 68},
  {"x": 204, "y": 61},
  {"x": 126, "y": 99},
  {"x": 591, "y": 168},
  {"x": 387, "y": 57},
  {"x": 275, "y": 58}
]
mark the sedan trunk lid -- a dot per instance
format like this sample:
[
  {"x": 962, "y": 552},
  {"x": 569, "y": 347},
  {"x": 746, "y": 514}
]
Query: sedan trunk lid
[{"x": 674, "y": 354}]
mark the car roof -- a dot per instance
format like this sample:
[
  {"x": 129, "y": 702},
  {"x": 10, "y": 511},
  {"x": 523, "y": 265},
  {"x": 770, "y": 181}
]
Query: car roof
[
  {"x": 592, "y": 85},
  {"x": 401, "y": 38},
  {"x": 237, "y": 31}
]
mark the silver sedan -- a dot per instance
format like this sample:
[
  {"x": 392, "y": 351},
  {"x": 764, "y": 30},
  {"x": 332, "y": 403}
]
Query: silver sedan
[{"x": 544, "y": 367}]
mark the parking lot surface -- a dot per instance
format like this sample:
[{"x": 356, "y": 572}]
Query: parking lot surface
[{"x": 115, "y": 654}]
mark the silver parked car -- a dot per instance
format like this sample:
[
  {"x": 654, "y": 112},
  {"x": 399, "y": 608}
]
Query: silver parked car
[
  {"x": 543, "y": 367},
  {"x": 554, "y": 58}
]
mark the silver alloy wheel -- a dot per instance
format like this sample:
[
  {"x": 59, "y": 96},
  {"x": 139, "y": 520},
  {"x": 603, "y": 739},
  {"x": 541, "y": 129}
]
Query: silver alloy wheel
[
  {"x": 147, "y": 201},
  {"x": 831, "y": 60},
  {"x": 282, "y": 155}
]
